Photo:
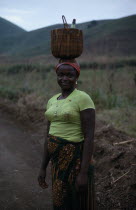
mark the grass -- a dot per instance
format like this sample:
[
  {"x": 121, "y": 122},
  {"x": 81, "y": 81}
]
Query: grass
[
  {"x": 109, "y": 88},
  {"x": 112, "y": 89},
  {"x": 121, "y": 118}
]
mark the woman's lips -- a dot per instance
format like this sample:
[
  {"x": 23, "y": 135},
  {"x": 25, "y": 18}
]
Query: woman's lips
[{"x": 65, "y": 84}]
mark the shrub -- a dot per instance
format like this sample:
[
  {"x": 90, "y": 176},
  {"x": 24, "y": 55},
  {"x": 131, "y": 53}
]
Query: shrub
[
  {"x": 106, "y": 101},
  {"x": 18, "y": 68},
  {"x": 11, "y": 94}
]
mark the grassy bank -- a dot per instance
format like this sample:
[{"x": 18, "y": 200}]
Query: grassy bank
[{"x": 112, "y": 89}]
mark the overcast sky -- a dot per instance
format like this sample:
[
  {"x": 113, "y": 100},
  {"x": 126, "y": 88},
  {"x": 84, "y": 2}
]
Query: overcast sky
[{"x": 34, "y": 14}]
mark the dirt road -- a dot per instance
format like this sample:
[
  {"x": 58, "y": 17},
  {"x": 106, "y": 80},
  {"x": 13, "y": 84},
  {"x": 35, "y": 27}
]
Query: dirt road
[{"x": 20, "y": 157}]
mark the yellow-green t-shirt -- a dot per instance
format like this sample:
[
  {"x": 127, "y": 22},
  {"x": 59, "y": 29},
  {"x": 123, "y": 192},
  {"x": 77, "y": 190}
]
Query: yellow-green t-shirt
[{"x": 64, "y": 115}]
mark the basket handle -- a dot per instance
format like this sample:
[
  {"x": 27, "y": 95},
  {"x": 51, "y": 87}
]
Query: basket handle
[{"x": 65, "y": 22}]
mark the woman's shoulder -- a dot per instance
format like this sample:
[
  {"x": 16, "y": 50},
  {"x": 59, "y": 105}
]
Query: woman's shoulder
[
  {"x": 84, "y": 100},
  {"x": 54, "y": 97},
  {"x": 82, "y": 94}
]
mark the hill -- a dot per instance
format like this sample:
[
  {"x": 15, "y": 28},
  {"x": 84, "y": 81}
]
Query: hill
[
  {"x": 9, "y": 29},
  {"x": 104, "y": 37},
  {"x": 9, "y": 34},
  {"x": 113, "y": 37}
]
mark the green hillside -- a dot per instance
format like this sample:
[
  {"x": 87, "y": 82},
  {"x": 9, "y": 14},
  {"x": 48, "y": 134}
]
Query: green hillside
[
  {"x": 9, "y": 34},
  {"x": 33, "y": 43},
  {"x": 9, "y": 29},
  {"x": 112, "y": 37}
]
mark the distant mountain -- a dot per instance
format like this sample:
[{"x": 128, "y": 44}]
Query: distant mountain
[
  {"x": 9, "y": 29},
  {"x": 9, "y": 34},
  {"x": 104, "y": 37},
  {"x": 111, "y": 37}
]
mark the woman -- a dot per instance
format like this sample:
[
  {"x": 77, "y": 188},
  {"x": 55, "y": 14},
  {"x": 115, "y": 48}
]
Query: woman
[{"x": 69, "y": 143}]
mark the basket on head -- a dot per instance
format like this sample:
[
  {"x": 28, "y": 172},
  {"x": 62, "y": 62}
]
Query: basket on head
[{"x": 66, "y": 43}]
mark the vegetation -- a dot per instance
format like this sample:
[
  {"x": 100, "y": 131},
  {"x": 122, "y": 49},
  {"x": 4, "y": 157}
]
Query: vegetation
[
  {"x": 112, "y": 89},
  {"x": 9, "y": 29},
  {"x": 105, "y": 37},
  {"x": 108, "y": 64}
]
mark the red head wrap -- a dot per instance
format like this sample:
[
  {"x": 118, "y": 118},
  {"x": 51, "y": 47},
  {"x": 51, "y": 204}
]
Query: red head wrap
[{"x": 74, "y": 65}]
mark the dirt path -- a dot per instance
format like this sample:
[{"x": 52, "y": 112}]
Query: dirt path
[{"x": 20, "y": 157}]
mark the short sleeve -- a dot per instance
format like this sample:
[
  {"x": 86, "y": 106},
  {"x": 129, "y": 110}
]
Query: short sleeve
[{"x": 85, "y": 102}]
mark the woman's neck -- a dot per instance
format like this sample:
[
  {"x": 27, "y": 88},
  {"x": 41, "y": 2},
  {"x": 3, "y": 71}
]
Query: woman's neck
[{"x": 66, "y": 93}]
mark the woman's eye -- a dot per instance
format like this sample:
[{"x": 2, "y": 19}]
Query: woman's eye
[
  {"x": 70, "y": 75},
  {"x": 67, "y": 75}
]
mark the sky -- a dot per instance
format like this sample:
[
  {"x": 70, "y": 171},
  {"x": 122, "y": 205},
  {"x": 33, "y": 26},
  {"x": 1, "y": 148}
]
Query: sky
[{"x": 34, "y": 14}]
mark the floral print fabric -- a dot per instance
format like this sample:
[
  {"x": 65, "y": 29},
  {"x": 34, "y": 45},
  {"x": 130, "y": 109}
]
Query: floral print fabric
[{"x": 66, "y": 161}]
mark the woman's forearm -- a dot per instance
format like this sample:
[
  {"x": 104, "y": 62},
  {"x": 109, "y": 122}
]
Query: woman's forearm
[
  {"x": 88, "y": 127},
  {"x": 87, "y": 155},
  {"x": 46, "y": 157}
]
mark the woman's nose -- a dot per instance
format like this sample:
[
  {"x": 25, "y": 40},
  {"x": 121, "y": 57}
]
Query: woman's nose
[{"x": 65, "y": 77}]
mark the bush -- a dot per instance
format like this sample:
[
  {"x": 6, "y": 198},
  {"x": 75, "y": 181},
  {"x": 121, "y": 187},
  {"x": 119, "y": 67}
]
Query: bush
[
  {"x": 112, "y": 101},
  {"x": 11, "y": 94},
  {"x": 106, "y": 101},
  {"x": 15, "y": 69}
]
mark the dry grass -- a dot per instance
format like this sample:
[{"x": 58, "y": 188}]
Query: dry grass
[
  {"x": 113, "y": 91},
  {"x": 121, "y": 118}
]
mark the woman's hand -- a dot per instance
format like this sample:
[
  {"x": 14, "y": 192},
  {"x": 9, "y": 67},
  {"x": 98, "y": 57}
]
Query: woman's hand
[
  {"x": 41, "y": 179},
  {"x": 81, "y": 182}
]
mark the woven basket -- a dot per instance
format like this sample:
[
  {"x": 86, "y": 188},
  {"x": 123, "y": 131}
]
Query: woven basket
[{"x": 66, "y": 43}]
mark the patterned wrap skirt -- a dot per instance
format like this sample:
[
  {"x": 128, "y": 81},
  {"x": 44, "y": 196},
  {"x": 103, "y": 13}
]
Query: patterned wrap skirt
[{"x": 66, "y": 162}]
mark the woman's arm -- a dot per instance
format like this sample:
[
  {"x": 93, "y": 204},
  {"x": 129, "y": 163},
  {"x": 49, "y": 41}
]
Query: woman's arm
[
  {"x": 46, "y": 157},
  {"x": 45, "y": 161},
  {"x": 88, "y": 127}
]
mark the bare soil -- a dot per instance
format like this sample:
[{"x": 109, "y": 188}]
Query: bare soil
[
  {"x": 115, "y": 169},
  {"x": 20, "y": 158}
]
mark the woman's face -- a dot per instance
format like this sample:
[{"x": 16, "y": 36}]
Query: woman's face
[{"x": 66, "y": 77}]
